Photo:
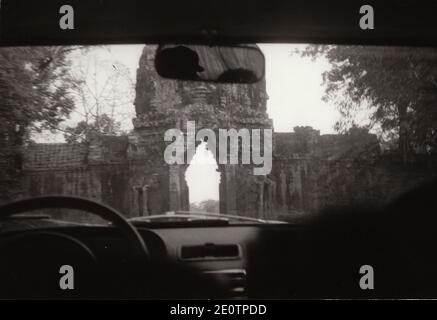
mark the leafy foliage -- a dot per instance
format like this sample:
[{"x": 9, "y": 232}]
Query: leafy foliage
[
  {"x": 34, "y": 95},
  {"x": 210, "y": 205},
  {"x": 34, "y": 86},
  {"x": 83, "y": 130},
  {"x": 395, "y": 88}
]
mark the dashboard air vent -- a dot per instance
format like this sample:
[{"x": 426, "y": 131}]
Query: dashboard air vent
[{"x": 210, "y": 251}]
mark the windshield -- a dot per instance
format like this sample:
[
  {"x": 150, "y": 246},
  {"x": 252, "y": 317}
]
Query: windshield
[{"x": 327, "y": 127}]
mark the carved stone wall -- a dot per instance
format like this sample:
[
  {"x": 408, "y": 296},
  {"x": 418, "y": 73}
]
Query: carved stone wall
[{"x": 165, "y": 104}]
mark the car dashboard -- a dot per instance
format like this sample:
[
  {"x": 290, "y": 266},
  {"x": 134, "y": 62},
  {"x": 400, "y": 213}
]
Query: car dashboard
[{"x": 237, "y": 257}]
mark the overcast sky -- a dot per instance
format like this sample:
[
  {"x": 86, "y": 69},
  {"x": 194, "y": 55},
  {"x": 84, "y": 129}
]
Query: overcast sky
[{"x": 294, "y": 86}]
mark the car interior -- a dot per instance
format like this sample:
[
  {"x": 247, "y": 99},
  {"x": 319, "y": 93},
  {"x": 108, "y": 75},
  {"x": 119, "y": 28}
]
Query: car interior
[{"x": 239, "y": 251}]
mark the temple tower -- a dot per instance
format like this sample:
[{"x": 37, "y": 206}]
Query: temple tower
[{"x": 163, "y": 104}]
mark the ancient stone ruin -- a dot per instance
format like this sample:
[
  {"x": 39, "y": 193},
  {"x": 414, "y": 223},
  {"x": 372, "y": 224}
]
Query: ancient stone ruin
[{"x": 310, "y": 171}]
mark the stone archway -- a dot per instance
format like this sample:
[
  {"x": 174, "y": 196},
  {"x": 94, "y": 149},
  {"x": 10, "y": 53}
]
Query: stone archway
[
  {"x": 203, "y": 179},
  {"x": 167, "y": 104}
]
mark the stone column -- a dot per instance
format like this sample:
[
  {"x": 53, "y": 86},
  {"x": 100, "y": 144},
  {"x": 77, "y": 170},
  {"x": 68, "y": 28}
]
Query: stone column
[
  {"x": 135, "y": 207},
  {"x": 140, "y": 200},
  {"x": 260, "y": 199},
  {"x": 231, "y": 190},
  {"x": 174, "y": 188},
  {"x": 283, "y": 179},
  {"x": 184, "y": 190},
  {"x": 228, "y": 189}
]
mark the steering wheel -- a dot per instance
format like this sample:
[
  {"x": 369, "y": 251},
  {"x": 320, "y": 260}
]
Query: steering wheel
[
  {"x": 137, "y": 245},
  {"x": 163, "y": 280}
]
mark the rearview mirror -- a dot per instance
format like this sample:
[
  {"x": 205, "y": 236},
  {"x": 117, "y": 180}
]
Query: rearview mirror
[{"x": 236, "y": 64}]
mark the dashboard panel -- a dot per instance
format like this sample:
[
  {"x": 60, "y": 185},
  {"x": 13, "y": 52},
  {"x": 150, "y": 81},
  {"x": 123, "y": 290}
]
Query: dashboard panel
[{"x": 233, "y": 261}]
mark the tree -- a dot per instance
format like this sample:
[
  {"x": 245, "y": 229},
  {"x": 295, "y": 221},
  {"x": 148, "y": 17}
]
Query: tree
[
  {"x": 84, "y": 130},
  {"x": 34, "y": 95},
  {"x": 103, "y": 92},
  {"x": 210, "y": 205},
  {"x": 395, "y": 87},
  {"x": 34, "y": 87}
]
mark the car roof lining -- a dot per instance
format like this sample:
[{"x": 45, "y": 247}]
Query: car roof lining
[{"x": 397, "y": 22}]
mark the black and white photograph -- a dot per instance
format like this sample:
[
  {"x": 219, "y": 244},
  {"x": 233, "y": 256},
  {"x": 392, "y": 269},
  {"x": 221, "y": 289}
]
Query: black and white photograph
[{"x": 224, "y": 150}]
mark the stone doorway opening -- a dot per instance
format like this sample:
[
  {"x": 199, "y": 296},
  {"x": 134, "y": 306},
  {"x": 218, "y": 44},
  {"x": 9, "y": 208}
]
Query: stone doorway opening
[{"x": 203, "y": 181}]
